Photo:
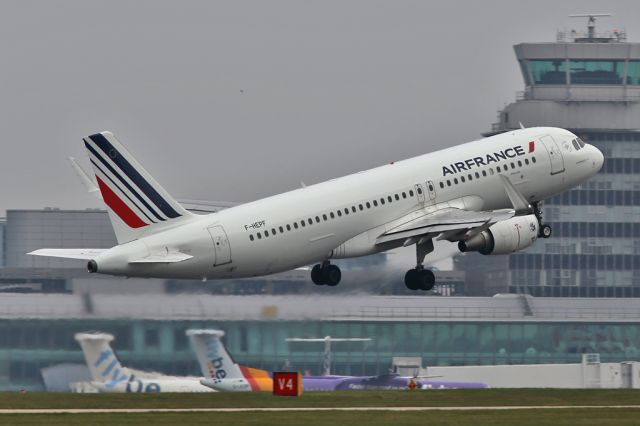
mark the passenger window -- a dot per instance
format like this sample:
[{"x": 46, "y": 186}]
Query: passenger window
[
  {"x": 448, "y": 182},
  {"x": 346, "y": 211},
  {"x": 498, "y": 169},
  {"x": 361, "y": 207},
  {"x": 431, "y": 187},
  {"x": 251, "y": 237},
  {"x": 462, "y": 179},
  {"x": 526, "y": 161},
  {"x": 332, "y": 215},
  {"x": 419, "y": 189},
  {"x": 310, "y": 221},
  {"x": 477, "y": 175},
  {"x": 404, "y": 195},
  {"x": 281, "y": 229},
  {"x": 302, "y": 223},
  {"x": 353, "y": 209},
  {"x": 339, "y": 213},
  {"x": 324, "y": 217},
  {"x": 382, "y": 201},
  {"x": 389, "y": 199},
  {"x": 491, "y": 171},
  {"x": 533, "y": 159},
  {"x": 397, "y": 197},
  {"x": 441, "y": 185},
  {"x": 375, "y": 203},
  {"x": 288, "y": 227},
  {"x": 410, "y": 193},
  {"x": 513, "y": 166},
  {"x": 273, "y": 231},
  {"x": 455, "y": 181},
  {"x": 484, "y": 173},
  {"x": 295, "y": 225},
  {"x": 259, "y": 236},
  {"x": 368, "y": 205},
  {"x": 519, "y": 163},
  {"x": 266, "y": 233},
  {"x": 317, "y": 219}
]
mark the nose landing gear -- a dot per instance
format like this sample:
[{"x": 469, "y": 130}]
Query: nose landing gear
[
  {"x": 326, "y": 274},
  {"x": 544, "y": 230}
]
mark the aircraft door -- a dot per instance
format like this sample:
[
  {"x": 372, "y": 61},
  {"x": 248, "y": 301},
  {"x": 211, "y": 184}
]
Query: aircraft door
[
  {"x": 555, "y": 154},
  {"x": 419, "y": 192},
  {"x": 431, "y": 190},
  {"x": 221, "y": 245}
]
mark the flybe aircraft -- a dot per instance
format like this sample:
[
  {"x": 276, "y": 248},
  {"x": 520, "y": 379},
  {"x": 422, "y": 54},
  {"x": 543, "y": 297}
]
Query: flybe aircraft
[
  {"x": 223, "y": 374},
  {"x": 108, "y": 375},
  {"x": 485, "y": 195}
]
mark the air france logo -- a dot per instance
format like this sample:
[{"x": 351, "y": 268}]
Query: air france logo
[
  {"x": 216, "y": 362},
  {"x": 111, "y": 367},
  {"x": 485, "y": 160}
]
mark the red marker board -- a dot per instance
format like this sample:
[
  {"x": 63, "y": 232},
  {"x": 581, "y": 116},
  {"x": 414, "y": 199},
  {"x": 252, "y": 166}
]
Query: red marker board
[{"x": 286, "y": 383}]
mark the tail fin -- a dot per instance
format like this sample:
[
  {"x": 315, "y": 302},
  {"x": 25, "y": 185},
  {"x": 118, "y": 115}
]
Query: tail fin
[
  {"x": 137, "y": 204},
  {"x": 215, "y": 361},
  {"x": 101, "y": 360}
]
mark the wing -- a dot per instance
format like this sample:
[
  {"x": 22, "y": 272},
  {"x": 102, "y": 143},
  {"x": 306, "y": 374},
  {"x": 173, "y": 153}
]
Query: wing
[
  {"x": 445, "y": 220},
  {"x": 206, "y": 207},
  {"x": 83, "y": 254},
  {"x": 452, "y": 220}
]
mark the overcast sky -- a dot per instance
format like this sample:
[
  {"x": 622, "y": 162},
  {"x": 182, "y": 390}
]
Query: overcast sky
[{"x": 239, "y": 100}]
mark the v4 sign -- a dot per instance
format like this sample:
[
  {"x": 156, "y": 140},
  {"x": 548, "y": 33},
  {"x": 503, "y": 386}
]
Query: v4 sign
[{"x": 287, "y": 383}]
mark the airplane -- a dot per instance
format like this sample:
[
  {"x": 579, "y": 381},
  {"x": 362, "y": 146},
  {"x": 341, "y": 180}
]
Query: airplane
[
  {"x": 223, "y": 374},
  {"x": 486, "y": 195},
  {"x": 108, "y": 374}
]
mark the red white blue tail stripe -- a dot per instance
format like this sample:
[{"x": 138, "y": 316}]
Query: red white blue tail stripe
[{"x": 137, "y": 200}]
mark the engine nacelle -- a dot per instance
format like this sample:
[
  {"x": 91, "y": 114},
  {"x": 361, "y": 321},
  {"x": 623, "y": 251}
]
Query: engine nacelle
[{"x": 504, "y": 237}]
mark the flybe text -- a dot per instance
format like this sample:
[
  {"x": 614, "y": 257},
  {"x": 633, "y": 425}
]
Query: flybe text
[{"x": 484, "y": 160}]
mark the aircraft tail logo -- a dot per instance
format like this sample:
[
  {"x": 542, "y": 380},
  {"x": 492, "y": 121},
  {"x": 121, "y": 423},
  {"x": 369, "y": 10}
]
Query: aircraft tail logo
[
  {"x": 137, "y": 204},
  {"x": 104, "y": 365}
]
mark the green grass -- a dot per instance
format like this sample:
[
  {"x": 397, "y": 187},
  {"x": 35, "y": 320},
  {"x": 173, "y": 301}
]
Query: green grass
[
  {"x": 584, "y": 417},
  {"x": 430, "y": 398}
]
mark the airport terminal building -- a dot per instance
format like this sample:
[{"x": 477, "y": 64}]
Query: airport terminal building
[
  {"x": 590, "y": 84},
  {"x": 150, "y": 331}
]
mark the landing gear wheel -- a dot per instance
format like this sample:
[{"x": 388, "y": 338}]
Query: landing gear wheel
[
  {"x": 331, "y": 275},
  {"x": 428, "y": 280},
  {"x": 545, "y": 231},
  {"x": 316, "y": 275},
  {"x": 419, "y": 279},
  {"x": 412, "y": 279}
]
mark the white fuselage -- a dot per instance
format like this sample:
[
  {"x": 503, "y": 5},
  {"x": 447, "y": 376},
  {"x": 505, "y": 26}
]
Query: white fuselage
[
  {"x": 240, "y": 241},
  {"x": 145, "y": 385}
]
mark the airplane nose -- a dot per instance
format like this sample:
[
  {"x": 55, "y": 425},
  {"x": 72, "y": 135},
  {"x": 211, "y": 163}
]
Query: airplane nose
[{"x": 598, "y": 159}]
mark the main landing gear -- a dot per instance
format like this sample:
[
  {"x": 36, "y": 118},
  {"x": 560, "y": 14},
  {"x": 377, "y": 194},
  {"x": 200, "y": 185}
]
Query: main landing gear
[
  {"x": 326, "y": 274},
  {"x": 419, "y": 278},
  {"x": 544, "y": 230}
]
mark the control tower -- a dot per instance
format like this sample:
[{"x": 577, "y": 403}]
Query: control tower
[{"x": 589, "y": 83}]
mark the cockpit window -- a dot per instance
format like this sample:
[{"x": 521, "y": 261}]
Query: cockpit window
[
  {"x": 575, "y": 144},
  {"x": 582, "y": 144}
]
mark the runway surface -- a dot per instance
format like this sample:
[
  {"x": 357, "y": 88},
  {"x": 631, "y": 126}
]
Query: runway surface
[{"x": 248, "y": 409}]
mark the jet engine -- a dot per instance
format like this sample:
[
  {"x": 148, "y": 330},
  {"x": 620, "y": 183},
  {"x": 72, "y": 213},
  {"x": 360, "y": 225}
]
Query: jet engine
[{"x": 504, "y": 237}]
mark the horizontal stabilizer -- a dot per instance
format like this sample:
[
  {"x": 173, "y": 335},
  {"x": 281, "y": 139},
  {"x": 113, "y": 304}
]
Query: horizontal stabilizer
[
  {"x": 164, "y": 257},
  {"x": 83, "y": 254}
]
